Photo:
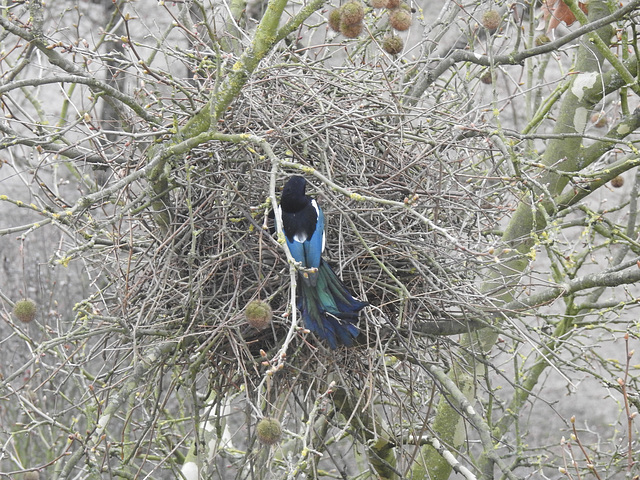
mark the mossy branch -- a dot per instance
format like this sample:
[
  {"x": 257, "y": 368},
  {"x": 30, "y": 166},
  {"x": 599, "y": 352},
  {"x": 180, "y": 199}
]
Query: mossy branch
[
  {"x": 299, "y": 18},
  {"x": 519, "y": 237},
  {"x": 149, "y": 362},
  {"x": 265, "y": 38},
  {"x": 462, "y": 56},
  {"x": 77, "y": 74},
  {"x": 381, "y": 450},
  {"x": 598, "y": 40}
]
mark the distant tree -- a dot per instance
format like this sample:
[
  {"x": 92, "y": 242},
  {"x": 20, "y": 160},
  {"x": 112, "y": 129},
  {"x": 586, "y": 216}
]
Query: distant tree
[{"x": 477, "y": 168}]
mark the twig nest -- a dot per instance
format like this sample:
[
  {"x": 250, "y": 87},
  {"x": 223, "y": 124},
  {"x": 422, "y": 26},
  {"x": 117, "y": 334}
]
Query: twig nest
[
  {"x": 269, "y": 431},
  {"x": 25, "y": 310}
]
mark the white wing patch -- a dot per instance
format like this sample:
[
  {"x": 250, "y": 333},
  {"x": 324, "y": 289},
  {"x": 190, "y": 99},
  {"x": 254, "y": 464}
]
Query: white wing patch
[{"x": 315, "y": 205}]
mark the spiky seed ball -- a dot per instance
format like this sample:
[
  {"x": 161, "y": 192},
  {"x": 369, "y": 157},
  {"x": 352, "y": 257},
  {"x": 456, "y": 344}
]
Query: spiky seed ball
[
  {"x": 32, "y": 475},
  {"x": 541, "y": 40},
  {"x": 391, "y": 4},
  {"x": 617, "y": 182},
  {"x": 400, "y": 19},
  {"x": 352, "y": 13},
  {"x": 392, "y": 44},
  {"x": 258, "y": 314},
  {"x": 487, "y": 77},
  {"x": 490, "y": 19},
  {"x": 378, "y": 3},
  {"x": 25, "y": 310},
  {"x": 269, "y": 431},
  {"x": 351, "y": 31},
  {"x": 334, "y": 19},
  {"x": 599, "y": 120}
]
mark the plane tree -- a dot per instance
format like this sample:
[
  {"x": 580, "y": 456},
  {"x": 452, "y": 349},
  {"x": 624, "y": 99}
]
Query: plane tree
[{"x": 476, "y": 164}]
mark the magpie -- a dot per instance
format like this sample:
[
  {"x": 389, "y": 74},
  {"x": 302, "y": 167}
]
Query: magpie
[{"x": 327, "y": 307}]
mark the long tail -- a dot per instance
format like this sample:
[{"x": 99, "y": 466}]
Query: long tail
[{"x": 328, "y": 309}]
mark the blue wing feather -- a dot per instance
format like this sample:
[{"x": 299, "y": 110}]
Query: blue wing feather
[
  {"x": 314, "y": 246},
  {"x": 297, "y": 251},
  {"x": 309, "y": 252},
  {"x": 328, "y": 309}
]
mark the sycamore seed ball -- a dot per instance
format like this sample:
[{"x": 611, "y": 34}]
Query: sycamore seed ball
[
  {"x": 352, "y": 13},
  {"x": 25, "y": 310},
  {"x": 334, "y": 19},
  {"x": 391, "y": 4},
  {"x": 617, "y": 182},
  {"x": 490, "y": 19},
  {"x": 378, "y": 3},
  {"x": 392, "y": 44},
  {"x": 351, "y": 31},
  {"x": 258, "y": 314},
  {"x": 269, "y": 431},
  {"x": 32, "y": 475},
  {"x": 487, "y": 77},
  {"x": 400, "y": 19},
  {"x": 599, "y": 120}
]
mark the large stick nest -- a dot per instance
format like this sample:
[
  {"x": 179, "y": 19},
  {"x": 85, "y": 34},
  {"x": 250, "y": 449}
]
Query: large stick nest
[{"x": 220, "y": 252}]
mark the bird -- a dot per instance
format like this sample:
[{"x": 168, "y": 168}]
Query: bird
[{"x": 327, "y": 307}]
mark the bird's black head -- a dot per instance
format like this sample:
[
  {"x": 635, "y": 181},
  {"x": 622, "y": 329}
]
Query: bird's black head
[{"x": 293, "y": 194}]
